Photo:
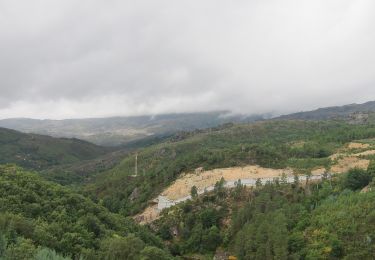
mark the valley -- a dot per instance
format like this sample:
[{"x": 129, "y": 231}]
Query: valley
[
  {"x": 192, "y": 194},
  {"x": 187, "y": 130},
  {"x": 115, "y": 131}
]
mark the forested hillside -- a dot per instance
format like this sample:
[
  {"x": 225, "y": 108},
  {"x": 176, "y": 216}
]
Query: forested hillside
[
  {"x": 39, "y": 218},
  {"x": 276, "y": 144},
  {"x": 93, "y": 219},
  {"x": 39, "y": 152},
  {"x": 330, "y": 219}
]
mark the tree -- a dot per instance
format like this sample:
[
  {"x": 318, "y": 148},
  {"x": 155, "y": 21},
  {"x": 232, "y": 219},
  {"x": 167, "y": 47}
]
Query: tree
[
  {"x": 356, "y": 179},
  {"x": 296, "y": 180},
  {"x": 209, "y": 217},
  {"x": 219, "y": 187},
  {"x": 3, "y": 244},
  {"x": 278, "y": 234},
  {"x": 122, "y": 248},
  {"x": 194, "y": 192},
  {"x": 154, "y": 253},
  {"x": 237, "y": 193},
  {"x": 194, "y": 243},
  {"x": 212, "y": 239},
  {"x": 23, "y": 249},
  {"x": 48, "y": 254}
]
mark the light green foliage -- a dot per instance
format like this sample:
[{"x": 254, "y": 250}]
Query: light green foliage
[
  {"x": 22, "y": 249},
  {"x": 48, "y": 254}
]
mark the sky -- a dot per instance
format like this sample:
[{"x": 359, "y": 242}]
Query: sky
[{"x": 89, "y": 58}]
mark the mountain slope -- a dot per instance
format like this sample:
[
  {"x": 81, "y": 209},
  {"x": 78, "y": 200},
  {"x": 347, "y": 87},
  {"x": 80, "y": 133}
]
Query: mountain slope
[
  {"x": 35, "y": 212},
  {"x": 328, "y": 219},
  {"x": 337, "y": 112},
  {"x": 273, "y": 144},
  {"x": 38, "y": 151},
  {"x": 122, "y": 130}
]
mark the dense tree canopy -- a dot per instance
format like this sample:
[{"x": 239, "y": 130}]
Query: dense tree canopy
[{"x": 35, "y": 213}]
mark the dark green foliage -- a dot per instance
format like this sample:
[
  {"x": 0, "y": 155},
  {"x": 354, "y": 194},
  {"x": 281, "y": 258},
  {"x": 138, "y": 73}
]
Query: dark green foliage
[
  {"x": 194, "y": 192},
  {"x": 357, "y": 179},
  {"x": 34, "y": 212},
  {"x": 196, "y": 224},
  {"x": 211, "y": 239},
  {"x": 39, "y": 152},
  {"x": 277, "y": 222},
  {"x": 153, "y": 253},
  {"x": 343, "y": 228},
  {"x": 122, "y": 248},
  {"x": 285, "y": 222},
  {"x": 82, "y": 171}
]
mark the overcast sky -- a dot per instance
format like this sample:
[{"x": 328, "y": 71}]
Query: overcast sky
[{"x": 71, "y": 59}]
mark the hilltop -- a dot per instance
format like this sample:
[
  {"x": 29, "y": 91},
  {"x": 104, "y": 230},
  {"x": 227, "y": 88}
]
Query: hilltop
[
  {"x": 35, "y": 151},
  {"x": 349, "y": 112}
]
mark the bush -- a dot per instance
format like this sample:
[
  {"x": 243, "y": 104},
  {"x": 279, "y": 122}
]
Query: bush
[{"x": 356, "y": 179}]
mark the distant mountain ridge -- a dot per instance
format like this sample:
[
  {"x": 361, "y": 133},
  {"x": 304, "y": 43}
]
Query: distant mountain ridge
[
  {"x": 334, "y": 112},
  {"x": 114, "y": 131}
]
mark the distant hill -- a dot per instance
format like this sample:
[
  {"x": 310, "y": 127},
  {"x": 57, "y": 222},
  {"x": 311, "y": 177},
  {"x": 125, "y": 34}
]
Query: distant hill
[
  {"x": 337, "y": 112},
  {"x": 123, "y": 130},
  {"x": 39, "y": 152}
]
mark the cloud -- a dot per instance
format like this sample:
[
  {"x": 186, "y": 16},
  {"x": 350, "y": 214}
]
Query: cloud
[{"x": 62, "y": 59}]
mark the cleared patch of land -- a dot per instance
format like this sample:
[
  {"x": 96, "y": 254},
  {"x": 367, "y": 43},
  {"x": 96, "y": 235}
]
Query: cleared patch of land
[
  {"x": 354, "y": 145},
  {"x": 343, "y": 161},
  {"x": 203, "y": 179},
  {"x": 346, "y": 163}
]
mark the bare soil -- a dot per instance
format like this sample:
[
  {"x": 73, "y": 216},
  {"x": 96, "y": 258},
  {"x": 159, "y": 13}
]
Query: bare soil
[
  {"x": 354, "y": 145},
  {"x": 182, "y": 186}
]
